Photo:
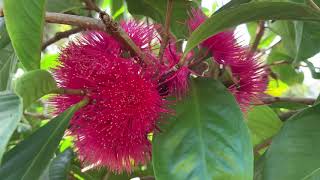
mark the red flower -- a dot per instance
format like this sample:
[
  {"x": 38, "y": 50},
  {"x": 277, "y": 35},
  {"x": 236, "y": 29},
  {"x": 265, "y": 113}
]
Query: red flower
[
  {"x": 112, "y": 130},
  {"x": 250, "y": 76}
]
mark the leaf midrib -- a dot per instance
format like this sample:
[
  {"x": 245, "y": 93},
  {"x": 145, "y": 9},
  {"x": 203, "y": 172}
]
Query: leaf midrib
[
  {"x": 47, "y": 142},
  {"x": 198, "y": 120}
]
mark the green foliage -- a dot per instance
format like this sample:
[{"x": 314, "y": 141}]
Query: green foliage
[
  {"x": 257, "y": 10},
  {"x": 8, "y": 58},
  {"x": 60, "y": 165},
  {"x": 263, "y": 123},
  {"x": 207, "y": 139},
  {"x": 157, "y": 11},
  {"x": 285, "y": 72},
  {"x": 10, "y": 115},
  {"x": 25, "y": 20},
  {"x": 294, "y": 152},
  {"x": 34, "y": 153},
  {"x": 33, "y": 85}
]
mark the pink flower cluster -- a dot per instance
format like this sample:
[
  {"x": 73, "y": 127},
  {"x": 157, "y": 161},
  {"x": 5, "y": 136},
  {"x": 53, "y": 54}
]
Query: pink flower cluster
[{"x": 127, "y": 97}]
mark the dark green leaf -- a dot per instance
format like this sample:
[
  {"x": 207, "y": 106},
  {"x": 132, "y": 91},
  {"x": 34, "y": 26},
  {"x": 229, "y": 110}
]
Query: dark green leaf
[
  {"x": 156, "y": 9},
  {"x": 207, "y": 139},
  {"x": 233, "y": 3},
  {"x": 263, "y": 123},
  {"x": 10, "y": 115},
  {"x": 24, "y": 21},
  {"x": 60, "y": 165},
  {"x": 315, "y": 74},
  {"x": 294, "y": 152},
  {"x": 8, "y": 59},
  {"x": 250, "y": 12},
  {"x": 30, "y": 157},
  {"x": 33, "y": 85}
]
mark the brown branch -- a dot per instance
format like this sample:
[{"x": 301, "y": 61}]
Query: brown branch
[
  {"x": 271, "y": 100},
  {"x": 91, "y": 5},
  {"x": 262, "y": 145},
  {"x": 60, "y": 35},
  {"x": 166, "y": 34},
  {"x": 260, "y": 32},
  {"x": 312, "y": 4},
  {"x": 92, "y": 23}
]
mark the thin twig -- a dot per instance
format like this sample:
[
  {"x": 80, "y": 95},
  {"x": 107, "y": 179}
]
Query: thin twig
[
  {"x": 91, "y": 5},
  {"x": 262, "y": 145},
  {"x": 166, "y": 34},
  {"x": 38, "y": 115},
  {"x": 286, "y": 115},
  {"x": 260, "y": 32},
  {"x": 271, "y": 100},
  {"x": 312, "y": 4},
  {"x": 60, "y": 35},
  {"x": 147, "y": 178}
]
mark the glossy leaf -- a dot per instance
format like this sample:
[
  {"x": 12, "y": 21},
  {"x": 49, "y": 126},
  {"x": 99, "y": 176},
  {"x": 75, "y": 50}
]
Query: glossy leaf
[
  {"x": 25, "y": 20},
  {"x": 294, "y": 152},
  {"x": 29, "y": 158},
  {"x": 156, "y": 9},
  {"x": 207, "y": 138},
  {"x": 10, "y": 115},
  {"x": 60, "y": 165},
  {"x": 263, "y": 123},
  {"x": 250, "y": 12},
  {"x": 33, "y": 85},
  {"x": 8, "y": 59}
]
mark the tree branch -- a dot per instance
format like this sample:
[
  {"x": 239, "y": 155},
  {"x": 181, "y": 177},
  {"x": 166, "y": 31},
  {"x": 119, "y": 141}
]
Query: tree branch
[
  {"x": 271, "y": 100},
  {"x": 79, "y": 92},
  {"x": 107, "y": 24},
  {"x": 60, "y": 35},
  {"x": 260, "y": 32},
  {"x": 166, "y": 34}
]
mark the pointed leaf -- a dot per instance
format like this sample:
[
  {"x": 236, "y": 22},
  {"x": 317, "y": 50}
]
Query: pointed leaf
[
  {"x": 207, "y": 139},
  {"x": 294, "y": 152},
  {"x": 33, "y": 85},
  {"x": 247, "y": 12},
  {"x": 25, "y": 20},
  {"x": 29, "y": 158},
  {"x": 10, "y": 115},
  {"x": 263, "y": 123},
  {"x": 60, "y": 165}
]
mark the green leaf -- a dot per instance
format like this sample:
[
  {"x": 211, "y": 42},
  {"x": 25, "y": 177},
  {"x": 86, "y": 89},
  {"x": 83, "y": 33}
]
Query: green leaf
[
  {"x": 207, "y": 139},
  {"x": 116, "y": 8},
  {"x": 10, "y": 115},
  {"x": 247, "y": 12},
  {"x": 8, "y": 59},
  {"x": 294, "y": 152},
  {"x": 33, "y": 85},
  {"x": 285, "y": 72},
  {"x": 65, "y": 6},
  {"x": 156, "y": 9},
  {"x": 29, "y": 158},
  {"x": 49, "y": 61},
  {"x": 263, "y": 123},
  {"x": 60, "y": 165},
  {"x": 233, "y": 3},
  {"x": 25, "y": 20}
]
